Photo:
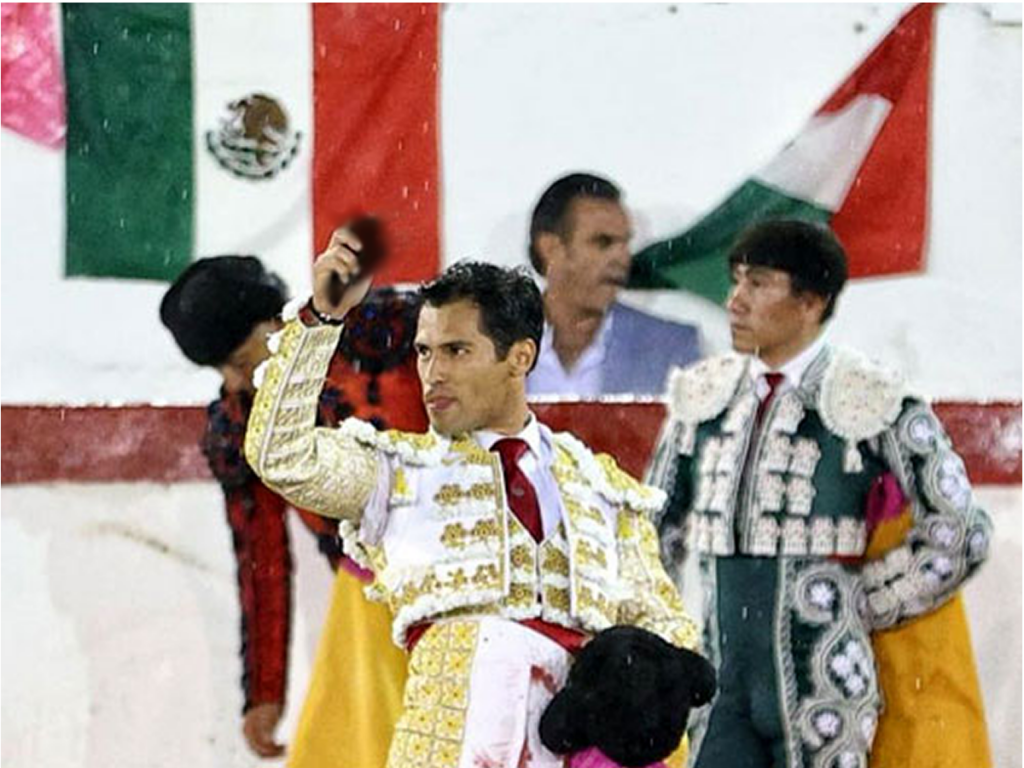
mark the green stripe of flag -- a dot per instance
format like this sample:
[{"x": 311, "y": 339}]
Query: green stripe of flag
[
  {"x": 696, "y": 259},
  {"x": 129, "y": 192}
]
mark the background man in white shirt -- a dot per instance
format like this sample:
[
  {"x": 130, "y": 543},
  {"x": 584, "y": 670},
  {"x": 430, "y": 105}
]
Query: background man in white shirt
[{"x": 592, "y": 344}]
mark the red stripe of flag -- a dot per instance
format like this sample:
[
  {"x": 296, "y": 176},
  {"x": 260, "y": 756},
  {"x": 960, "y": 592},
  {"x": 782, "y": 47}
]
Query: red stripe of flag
[
  {"x": 375, "y": 90},
  {"x": 883, "y": 220}
]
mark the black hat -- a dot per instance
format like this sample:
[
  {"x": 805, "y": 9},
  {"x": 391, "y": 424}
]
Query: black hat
[
  {"x": 629, "y": 694},
  {"x": 216, "y": 302}
]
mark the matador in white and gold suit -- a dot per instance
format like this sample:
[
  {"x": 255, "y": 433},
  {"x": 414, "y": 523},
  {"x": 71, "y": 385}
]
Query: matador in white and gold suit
[{"x": 491, "y": 612}]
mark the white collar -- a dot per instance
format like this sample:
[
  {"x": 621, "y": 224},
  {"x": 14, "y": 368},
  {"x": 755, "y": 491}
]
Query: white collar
[
  {"x": 597, "y": 346},
  {"x": 793, "y": 369},
  {"x": 530, "y": 434}
]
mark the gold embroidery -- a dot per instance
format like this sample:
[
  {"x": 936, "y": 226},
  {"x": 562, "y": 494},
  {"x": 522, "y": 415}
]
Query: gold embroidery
[
  {"x": 557, "y": 598},
  {"x": 521, "y": 556},
  {"x": 555, "y": 561},
  {"x": 400, "y": 484},
  {"x": 458, "y": 536},
  {"x": 468, "y": 451},
  {"x": 598, "y": 602},
  {"x": 451, "y": 494},
  {"x": 430, "y": 730},
  {"x": 486, "y": 576},
  {"x": 521, "y": 595},
  {"x": 578, "y": 512},
  {"x": 619, "y": 480},
  {"x": 587, "y": 554},
  {"x": 322, "y": 470},
  {"x": 418, "y": 441}
]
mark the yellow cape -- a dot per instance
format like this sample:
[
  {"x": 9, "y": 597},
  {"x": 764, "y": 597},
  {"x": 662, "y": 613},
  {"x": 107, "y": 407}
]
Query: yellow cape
[
  {"x": 933, "y": 715},
  {"x": 355, "y": 692}
]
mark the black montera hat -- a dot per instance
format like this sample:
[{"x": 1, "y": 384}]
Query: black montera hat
[{"x": 216, "y": 302}]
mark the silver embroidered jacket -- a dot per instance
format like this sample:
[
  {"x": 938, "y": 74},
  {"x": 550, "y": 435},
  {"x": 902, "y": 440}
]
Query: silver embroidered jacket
[
  {"x": 798, "y": 485},
  {"x": 440, "y": 539}
]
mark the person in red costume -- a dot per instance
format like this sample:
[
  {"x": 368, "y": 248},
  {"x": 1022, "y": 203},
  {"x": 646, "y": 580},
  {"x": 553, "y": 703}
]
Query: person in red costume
[{"x": 220, "y": 311}]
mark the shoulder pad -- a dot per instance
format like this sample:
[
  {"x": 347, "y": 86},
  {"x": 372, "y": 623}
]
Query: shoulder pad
[
  {"x": 859, "y": 398},
  {"x": 610, "y": 480},
  {"x": 701, "y": 391}
]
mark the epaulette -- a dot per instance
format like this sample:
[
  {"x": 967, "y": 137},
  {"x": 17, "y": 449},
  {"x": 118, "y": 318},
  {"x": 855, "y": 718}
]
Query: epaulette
[
  {"x": 701, "y": 391},
  {"x": 859, "y": 398},
  {"x": 610, "y": 480}
]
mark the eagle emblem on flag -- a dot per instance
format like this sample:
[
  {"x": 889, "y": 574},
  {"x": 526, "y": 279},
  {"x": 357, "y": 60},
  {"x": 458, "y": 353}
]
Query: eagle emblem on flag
[{"x": 254, "y": 140}]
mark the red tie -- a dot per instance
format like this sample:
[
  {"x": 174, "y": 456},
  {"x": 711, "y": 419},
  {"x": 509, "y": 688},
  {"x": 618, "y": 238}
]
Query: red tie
[
  {"x": 773, "y": 380},
  {"x": 522, "y": 497}
]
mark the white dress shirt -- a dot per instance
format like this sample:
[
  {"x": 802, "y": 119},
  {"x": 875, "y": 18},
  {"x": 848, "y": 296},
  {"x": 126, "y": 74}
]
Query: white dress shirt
[{"x": 584, "y": 379}]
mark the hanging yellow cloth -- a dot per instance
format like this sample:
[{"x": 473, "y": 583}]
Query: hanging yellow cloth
[
  {"x": 933, "y": 715},
  {"x": 355, "y": 692}
]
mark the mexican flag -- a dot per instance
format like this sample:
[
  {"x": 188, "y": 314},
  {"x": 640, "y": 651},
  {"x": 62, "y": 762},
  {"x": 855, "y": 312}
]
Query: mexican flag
[
  {"x": 860, "y": 165},
  {"x": 197, "y": 130}
]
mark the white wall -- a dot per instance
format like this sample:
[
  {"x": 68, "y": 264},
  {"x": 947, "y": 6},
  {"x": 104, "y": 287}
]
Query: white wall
[
  {"x": 120, "y": 627},
  {"x": 677, "y": 103}
]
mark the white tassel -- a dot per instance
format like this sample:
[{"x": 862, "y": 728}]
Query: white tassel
[{"x": 852, "y": 460}]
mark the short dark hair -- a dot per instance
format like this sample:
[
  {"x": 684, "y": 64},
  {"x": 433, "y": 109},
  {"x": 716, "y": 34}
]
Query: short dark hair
[
  {"x": 809, "y": 253},
  {"x": 216, "y": 302},
  {"x": 549, "y": 215},
  {"x": 510, "y": 304}
]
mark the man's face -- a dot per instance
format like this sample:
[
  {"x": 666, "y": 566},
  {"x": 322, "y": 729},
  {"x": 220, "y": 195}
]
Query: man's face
[
  {"x": 590, "y": 263},
  {"x": 238, "y": 369},
  {"x": 766, "y": 318},
  {"x": 465, "y": 386}
]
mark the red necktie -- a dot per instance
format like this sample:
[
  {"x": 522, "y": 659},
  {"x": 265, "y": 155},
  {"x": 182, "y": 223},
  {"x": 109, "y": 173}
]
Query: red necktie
[
  {"x": 522, "y": 497},
  {"x": 773, "y": 380}
]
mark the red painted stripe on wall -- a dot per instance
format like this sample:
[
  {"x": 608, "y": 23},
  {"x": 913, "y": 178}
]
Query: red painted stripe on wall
[
  {"x": 375, "y": 87},
  {"x": 50, "y": 443}
]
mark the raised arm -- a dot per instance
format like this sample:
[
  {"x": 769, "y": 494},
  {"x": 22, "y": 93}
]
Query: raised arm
[{"x": 327, "y": 471}]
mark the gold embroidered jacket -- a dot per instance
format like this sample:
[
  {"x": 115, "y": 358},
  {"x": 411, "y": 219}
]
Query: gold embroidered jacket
[{"x": 427, "y": 513}]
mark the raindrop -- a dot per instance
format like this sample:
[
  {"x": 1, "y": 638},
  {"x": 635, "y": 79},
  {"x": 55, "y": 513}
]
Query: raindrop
[
  {"x": 106, "y": 125},
  {"x": 917, "y": 683},
  {"x": 124, "y": 33},
  {"x": 95, "y": 48},
  {"x": 120, "y": 222},
  {"x": 745, "y": 612},
  {"x": 405, "y": 193},
  {"x": 398, "y": 24}
]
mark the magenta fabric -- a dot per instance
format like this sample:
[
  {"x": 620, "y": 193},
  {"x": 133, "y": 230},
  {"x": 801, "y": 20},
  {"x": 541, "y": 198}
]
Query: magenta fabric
[
  {"x": 32, "y": 78},
  {"x": 885, "y": 501},
  {"x": 592, "y": 757}
]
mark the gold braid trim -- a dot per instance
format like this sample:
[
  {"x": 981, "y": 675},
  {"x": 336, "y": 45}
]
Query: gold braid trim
[
  {"x": 655, "y": 604},
  {"x": 323, "y": 470}
]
